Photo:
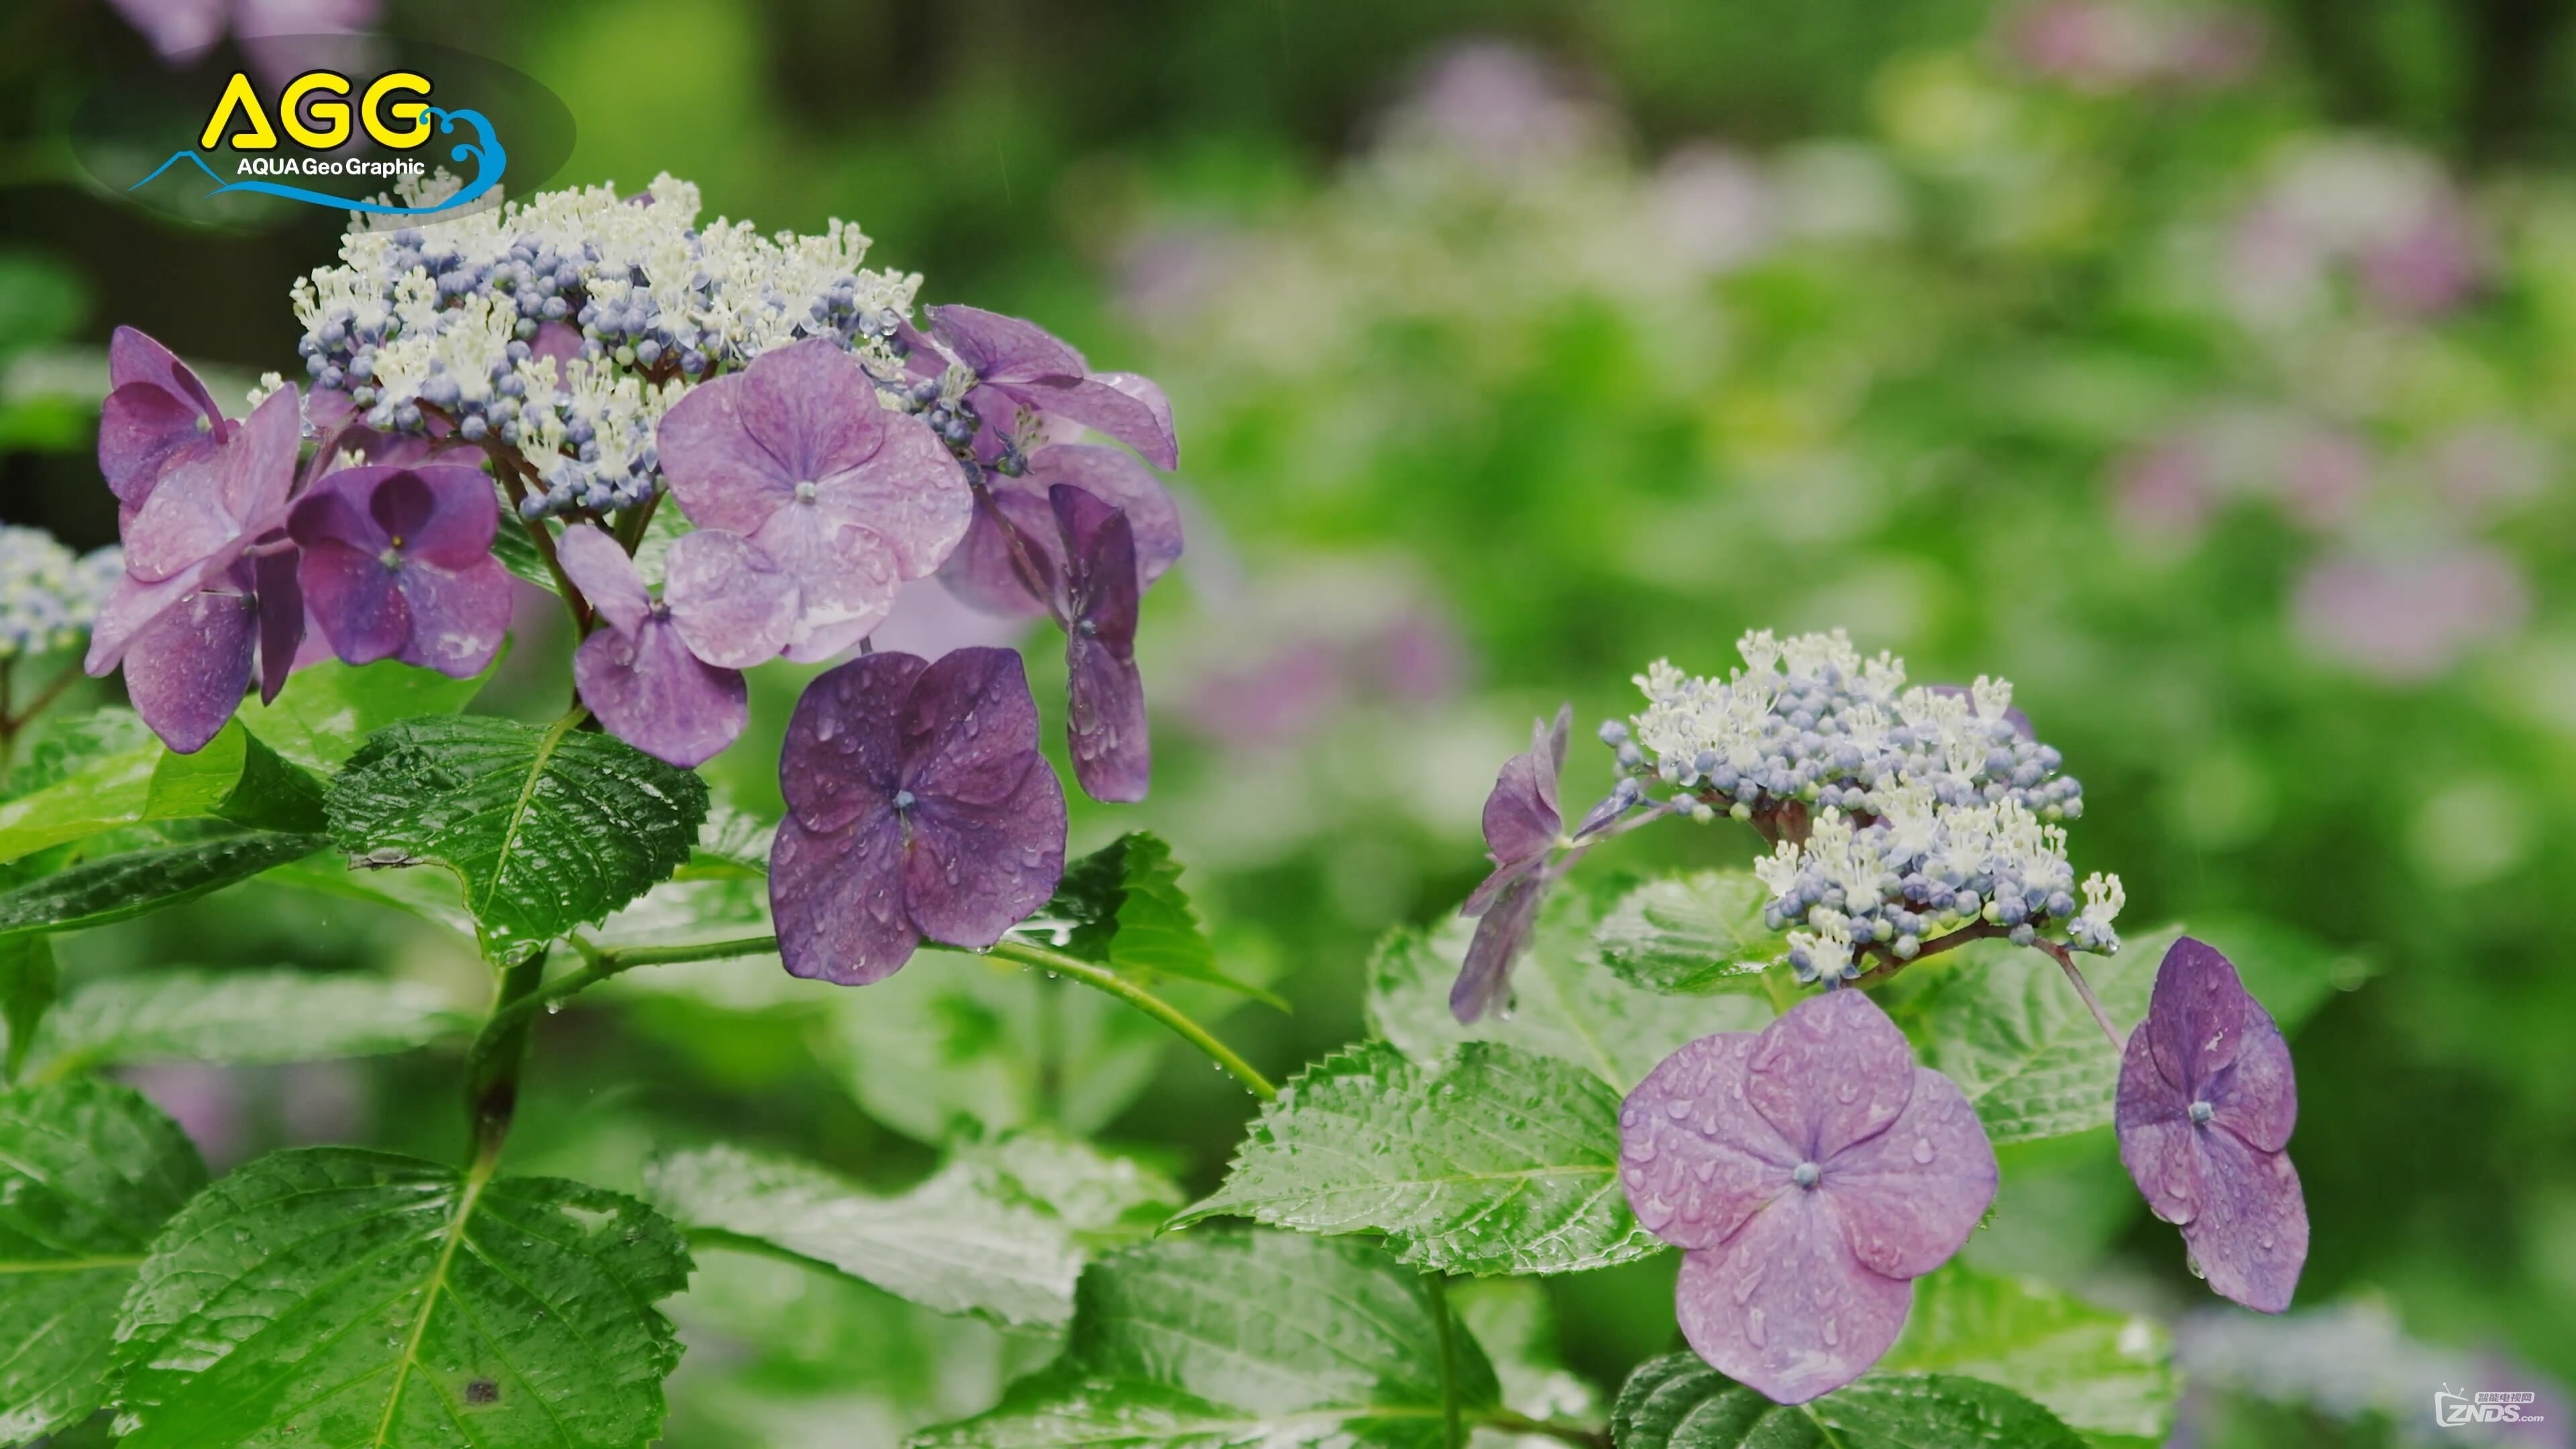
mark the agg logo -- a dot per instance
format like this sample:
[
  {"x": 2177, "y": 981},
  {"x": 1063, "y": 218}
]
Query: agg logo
[
  {"x": 318, "y": 117},
  {"x": 2454, "y": 1410}
]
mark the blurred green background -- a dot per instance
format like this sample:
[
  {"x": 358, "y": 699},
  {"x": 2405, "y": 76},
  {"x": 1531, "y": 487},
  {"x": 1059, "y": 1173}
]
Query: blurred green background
[{"x": 2211, "y": 372}]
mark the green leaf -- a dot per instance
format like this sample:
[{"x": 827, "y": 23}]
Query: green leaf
[
  {"x": 328, "y": 709},
  {"x": 1213, "y": 1339},
  {"x": 1123, "y": 906},
  {"x": 546, "y": 828},
  {"x": 1500, "y": 1161},
  {"x": 345, "y": 1297},
  {"x": 1691, "y": 934},
  {"x": 1678, "y": 1402},
  {"x": 965, "y": 1046},
  {"x": 2005, "y": 1024},
  {"x": 64, "y": 745},
  {"x": 731, "y": 845},
  {"x": 89, "y": 1171},
  {"x": 1511, "y": 1320},
  {"x": 517, "y": 553},
  {"x": 1104, "y": 1200},
  {"x": 1565, "y": 1003},
  {"x": 433, "y": 896},
  {"x": 29, "y": 982},
  {"x": 235, "y": 777},
  {"x": 241, "y": 1017},
  {"x": 971, "y": 1239},
  {"x": 2107, "y": 1374},
  {"x": 97, "y": 892}
]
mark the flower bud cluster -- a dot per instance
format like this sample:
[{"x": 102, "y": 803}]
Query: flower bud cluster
[
  {"x": 567, "y": 324},
  {"x": 48, "y": 594},
  {"x": 1899, "y": 815}
]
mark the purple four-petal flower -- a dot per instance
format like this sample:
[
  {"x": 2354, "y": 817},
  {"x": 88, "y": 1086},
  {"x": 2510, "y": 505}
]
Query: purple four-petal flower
[
  {"x": 917, "y": 806},
  {"x": 187, "y": 618},
  {"x": 983, "y": 572},
  {"x": 2205, "y": 1108},
  {"x": 1811, "y": 1171},
  {"x": 1522, "y": 824},
  {"x": 1104, "y": 724},
  {"x": 398, "y": 564},
  {"x": 665, "y": 676},
  {"x": 850, "y": 499},
  {"x": 156, "y": 413}
]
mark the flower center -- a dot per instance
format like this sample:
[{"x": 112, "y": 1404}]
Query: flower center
[
  {"x": 1087, "y": 628},
  {"x": 1805, "y": 1174},
  {"x": 2201, "y": 1112},
  {"x": 903, "y": 799},
  {"x": 806, "y": 491},
  {"x": 391, "y": 558}
]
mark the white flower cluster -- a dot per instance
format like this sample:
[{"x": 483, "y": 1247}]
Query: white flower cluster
[
  {"x": 565, "y": 325},
  {"x": 49, "y": 595},
  {"x": 1900, "y": 814}
]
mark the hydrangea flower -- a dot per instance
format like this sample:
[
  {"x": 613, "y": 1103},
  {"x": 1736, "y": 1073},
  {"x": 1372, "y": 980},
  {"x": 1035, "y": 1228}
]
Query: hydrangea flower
[
  {"x": 2206, "y": 1104},
  {"x": 1811, "y": 1171},
  {"x": 398, "y": 564},
  {"x": 665, "y": 676},
  {"x": 983, "y": 572},
  {"x": 156, "y": 413},
  {"x": 48, "y": 595},
  {"x": 1522, "y": 827},
  {"x": 186, "y": 619},
  {"x": 1105, "y": 727},
  {"x": 917, "y": 806},
  {"x": 796, "y": 454},
  {"x": 1021, "y": 375}
]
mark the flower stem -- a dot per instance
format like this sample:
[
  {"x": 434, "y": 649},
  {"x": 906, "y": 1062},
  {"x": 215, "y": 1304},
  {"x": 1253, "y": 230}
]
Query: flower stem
[
  {"x": 2084, "y": 988},
  {"x": 1436, "y": 1286},
  {"x": 499, "y": 1053},
  {"x": 1029, "y": 953}
]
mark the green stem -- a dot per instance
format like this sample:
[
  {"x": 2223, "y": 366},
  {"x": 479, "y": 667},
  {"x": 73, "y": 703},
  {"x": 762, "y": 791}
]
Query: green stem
[
  {"x": 1511, "y": 1423},
  {"x": 1029, "y": 953},
  {"x": 1437, "y": 1288},
  {"x": 498, "y": 1055}
]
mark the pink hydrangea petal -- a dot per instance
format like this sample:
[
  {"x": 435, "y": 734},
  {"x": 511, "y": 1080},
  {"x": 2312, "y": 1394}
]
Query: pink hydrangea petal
[
  {"x": 186, "y": 672},
  {"x": 720, "y": 477},
  {"x": 357, "y": 600},
  {"x": 262, "y": 452},
  {"x": 1695, "y": 1158},
  {"x": 1785, "y": 1307},
  {"x": 966, "y": 717},
  {"x": 184, "y": 522},
  {"x": 2257, "y": 1095},
  {"x": 605, "y": 575},
  {"x": 1910, "y": 1196},
  {"x": 134, "y": 356},
  {"x": 458, "y": 616},
  {"x": 1502, "y": 933},
  {"x": 837, "y": 900},
  {"x": 2196, "y": 1014},
  {"x": 843, "y": 752},
  {"x": 1103, "y": 409},
  {"x": 2251, "y": 1235},
  {"x": 909, "y": 493},
  {"x": 142, "y": 427},
  {"x": 812, "y": 407},
  {"x": 557, "y": 342},
  {"x": 845, "y": 578},
  {"x": 730, "y": 602},
  {"x": 131, "y": 607},
  {"x": 978, "y": 866},
  {"x": 994, "y": 346},
  {"x": 653, "y": 693},
  {"x": 281, "y": 619},
  {"x": 1830, "y": 1072}
]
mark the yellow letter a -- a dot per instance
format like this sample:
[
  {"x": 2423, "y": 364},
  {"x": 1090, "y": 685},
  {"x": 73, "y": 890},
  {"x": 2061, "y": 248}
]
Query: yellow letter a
[{"x": 238, "y": 95}]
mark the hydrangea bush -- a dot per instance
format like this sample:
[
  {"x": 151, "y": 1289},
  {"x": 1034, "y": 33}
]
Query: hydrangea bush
[{"x": 713, "y": 449}]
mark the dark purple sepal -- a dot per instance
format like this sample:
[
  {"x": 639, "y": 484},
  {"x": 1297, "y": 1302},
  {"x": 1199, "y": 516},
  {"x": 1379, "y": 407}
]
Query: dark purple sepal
[{"x": 1105, "y": 724}]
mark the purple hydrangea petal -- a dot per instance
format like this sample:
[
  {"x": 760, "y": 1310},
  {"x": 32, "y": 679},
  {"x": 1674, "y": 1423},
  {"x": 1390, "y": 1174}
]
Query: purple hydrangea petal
[
  {"x": 735, "y": 448},
  {"x": 1484, "y": 981},
  {"x": 605, "y": 576},
  {"x": 983, "y": 864},
  {"x": 446, "y": 512},
  {"x": 909, "y": 493},
  {"x": 206, "y": 506},
  {"x": 2250, "y": 1238},
  {"x": 2196, "y": 1014},
  {"x": 1105, "y": 724},
  {"x": 459, "y": 616},
  {"x": 993, "y": 346},
  {"x": 837, "y": 900},
  {"x": 142, "y": 428},
  {"x": 1785, "y": 1306},
  {"x": 1157, "y": 441},
  {"x": 2257, "y": 1095},
  {"x": 281, "y": 619},
  {"x": 1695, "y": 1158},
  {"x": 356, "y": 599},
  {"x": 1105, "y": 409},
  {"x": 982, "y": 573},
  {"x": 2158, "y": 1140},
  {"x": 654, "y": 693},
  {"x": 1119, "y": 481},
  {"x": 1522, "y": 819},
  {"x": 730, "y": 601},
  {"x": 843, "y": 754},
  {"x": 845, "y": 577},
  {"x": 1910, "y": 1196},
  {"x": 186, "y": 671},
  {"x": 1832, "y": 1071},
  {"x": 136, "y": 357},
  {"x": 967, "y": 718},
  {"x": 131, "y": 607}
]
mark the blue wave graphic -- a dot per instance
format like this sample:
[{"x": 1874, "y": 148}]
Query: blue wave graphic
[{"x": 485, "y": 152}]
